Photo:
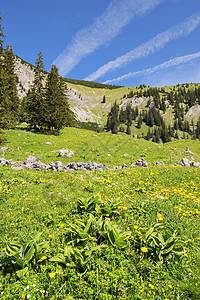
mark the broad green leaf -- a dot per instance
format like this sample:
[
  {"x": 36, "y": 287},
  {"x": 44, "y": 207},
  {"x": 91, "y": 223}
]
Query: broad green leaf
[
  {"x": 29, "y": 254},
  {"x": 148, "y": 233},
  {"x": 36, "y": 238},
  {"x": 87, "y": 227},
  {"x": 168, "y": 250},
  {"x": 58, "y": 258},
  {"x": 121, "y": 240},
  {"x": 68, "y": 251},
  {"x": 22, "y": 272},
  {"x": 12, "y": 248},
  {"x": 178, "y": 250}
]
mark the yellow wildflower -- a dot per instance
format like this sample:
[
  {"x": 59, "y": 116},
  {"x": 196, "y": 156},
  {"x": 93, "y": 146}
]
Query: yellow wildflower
[
  {"x": 52, "y": 275},
  {"x": 144, "y": 249},
  {"x": 170, "y": 286},
  {"x": 43, "y": 257}
]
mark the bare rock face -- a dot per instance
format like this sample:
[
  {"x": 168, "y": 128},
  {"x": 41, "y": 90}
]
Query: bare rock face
[{"x": 25, "y": 75}]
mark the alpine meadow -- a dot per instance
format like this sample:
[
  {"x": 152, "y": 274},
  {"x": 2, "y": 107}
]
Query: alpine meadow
[{"x": 99, "y": 182}]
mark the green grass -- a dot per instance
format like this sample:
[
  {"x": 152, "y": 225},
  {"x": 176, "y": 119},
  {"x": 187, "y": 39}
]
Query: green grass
[
  {"x": 95, "y": 147},
  {"x": 79, "y": 254}
]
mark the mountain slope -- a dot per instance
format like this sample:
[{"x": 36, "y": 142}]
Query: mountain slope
[{"x": 91, "y": 102}]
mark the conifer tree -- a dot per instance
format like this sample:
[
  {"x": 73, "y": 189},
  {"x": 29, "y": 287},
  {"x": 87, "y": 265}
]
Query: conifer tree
[
  {"x": 35, "y": 97},
  {"x": 113, "y": 120},
  {"x": 9, "y": 100},
  {"x": 55, "y": 105}
]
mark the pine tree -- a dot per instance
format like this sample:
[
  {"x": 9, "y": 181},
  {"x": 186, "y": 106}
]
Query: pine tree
[
  {"x": 197, "y": 131},
  {"x": 56, "y": 111},
  {"x": 139, "y": 123},
  {"x": 148, "y": 137},
  {"x": 9, "y": 100},
  {"x": 35, "y": 97},
  {"x": 128, "y": 130},
  {"x": 112, "y": 119}
]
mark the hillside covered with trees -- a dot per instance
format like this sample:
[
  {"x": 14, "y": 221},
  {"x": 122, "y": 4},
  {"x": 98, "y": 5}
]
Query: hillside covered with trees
[{"x": 178, "y": 100}]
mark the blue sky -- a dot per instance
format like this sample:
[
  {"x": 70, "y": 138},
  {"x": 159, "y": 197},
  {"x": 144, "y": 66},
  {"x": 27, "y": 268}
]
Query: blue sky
[{"x": 122, "y": 42}]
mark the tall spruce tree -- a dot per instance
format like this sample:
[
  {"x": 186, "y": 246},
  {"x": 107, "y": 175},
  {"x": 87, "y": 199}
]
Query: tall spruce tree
[
  {"x": 35, "y": 97},
  {"x": 113, "y": 120},
  {"x": 9, "y": 100},
  {"x": 56, "y": 107}
]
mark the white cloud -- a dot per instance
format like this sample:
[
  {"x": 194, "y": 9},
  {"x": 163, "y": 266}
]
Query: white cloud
[
  {"x": 183, "y": 73},
  {"x": 173, "y": 62},
  {"x": 118, "y": 14},
  {"x": 156, "y": 43}
]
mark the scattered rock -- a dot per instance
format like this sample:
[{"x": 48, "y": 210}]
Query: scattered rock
[
  {"x": 159, "y": 163},
  {"x": 124, "y": 166},
  {"x": 4, "y": 148},
  {"x": 48, "y": 143},
  {"x": 185, "y": 162},
  {"x": 66, "y": 152}
]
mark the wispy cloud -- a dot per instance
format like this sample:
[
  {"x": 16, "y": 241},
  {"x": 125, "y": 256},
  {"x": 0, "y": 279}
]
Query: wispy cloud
[
  {"x": 118, "y": 14},
  {"x": 156, "y": 43},
  {"x": 170, "y": 63}
]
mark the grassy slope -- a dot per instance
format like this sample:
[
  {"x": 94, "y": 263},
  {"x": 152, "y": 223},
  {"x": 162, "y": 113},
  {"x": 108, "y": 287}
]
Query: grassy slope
[
  {"x": 32, "y": 202},
  {"x": 88, "y": 145}
]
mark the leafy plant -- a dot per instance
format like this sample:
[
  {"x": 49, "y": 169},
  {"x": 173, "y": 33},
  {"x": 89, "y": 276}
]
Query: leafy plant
[
  {"x": 88, "y": 204},
  {"x": 19, "y": 254},
  {"x": 160, "y": 245}
]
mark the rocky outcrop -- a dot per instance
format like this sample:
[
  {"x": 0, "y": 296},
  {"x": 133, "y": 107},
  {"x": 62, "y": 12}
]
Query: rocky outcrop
[{"x": 25, "y": 74}]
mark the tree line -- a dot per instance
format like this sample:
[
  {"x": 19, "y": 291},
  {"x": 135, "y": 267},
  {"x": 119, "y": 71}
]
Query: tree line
[
  {"x": 46, "y": 105},
  {"x": 152, "y": 116}
]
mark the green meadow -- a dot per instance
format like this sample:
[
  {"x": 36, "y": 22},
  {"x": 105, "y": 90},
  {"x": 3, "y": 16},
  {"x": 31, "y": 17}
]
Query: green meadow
[{"x": 114, "y": 234}]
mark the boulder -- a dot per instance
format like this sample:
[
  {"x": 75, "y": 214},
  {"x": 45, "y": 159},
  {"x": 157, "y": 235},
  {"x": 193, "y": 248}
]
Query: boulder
[
  {"x": 145, "y": 164},
  {"x": 159, "y": 163},
  {"x": 58, "y": 165},
  {"x": 16, "y": 168},
  {"x": 124, "y": 166},
  {"x": 3, "y": 161},
  {"x": 30, "y": 159},
  {"x": 185, "y": 162},
  {"x": 195, "y": 164},
  {"x": 66, "y": 152},
  {"x": 133, "y": 165},
  {"x": 72, "y": 165}
]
